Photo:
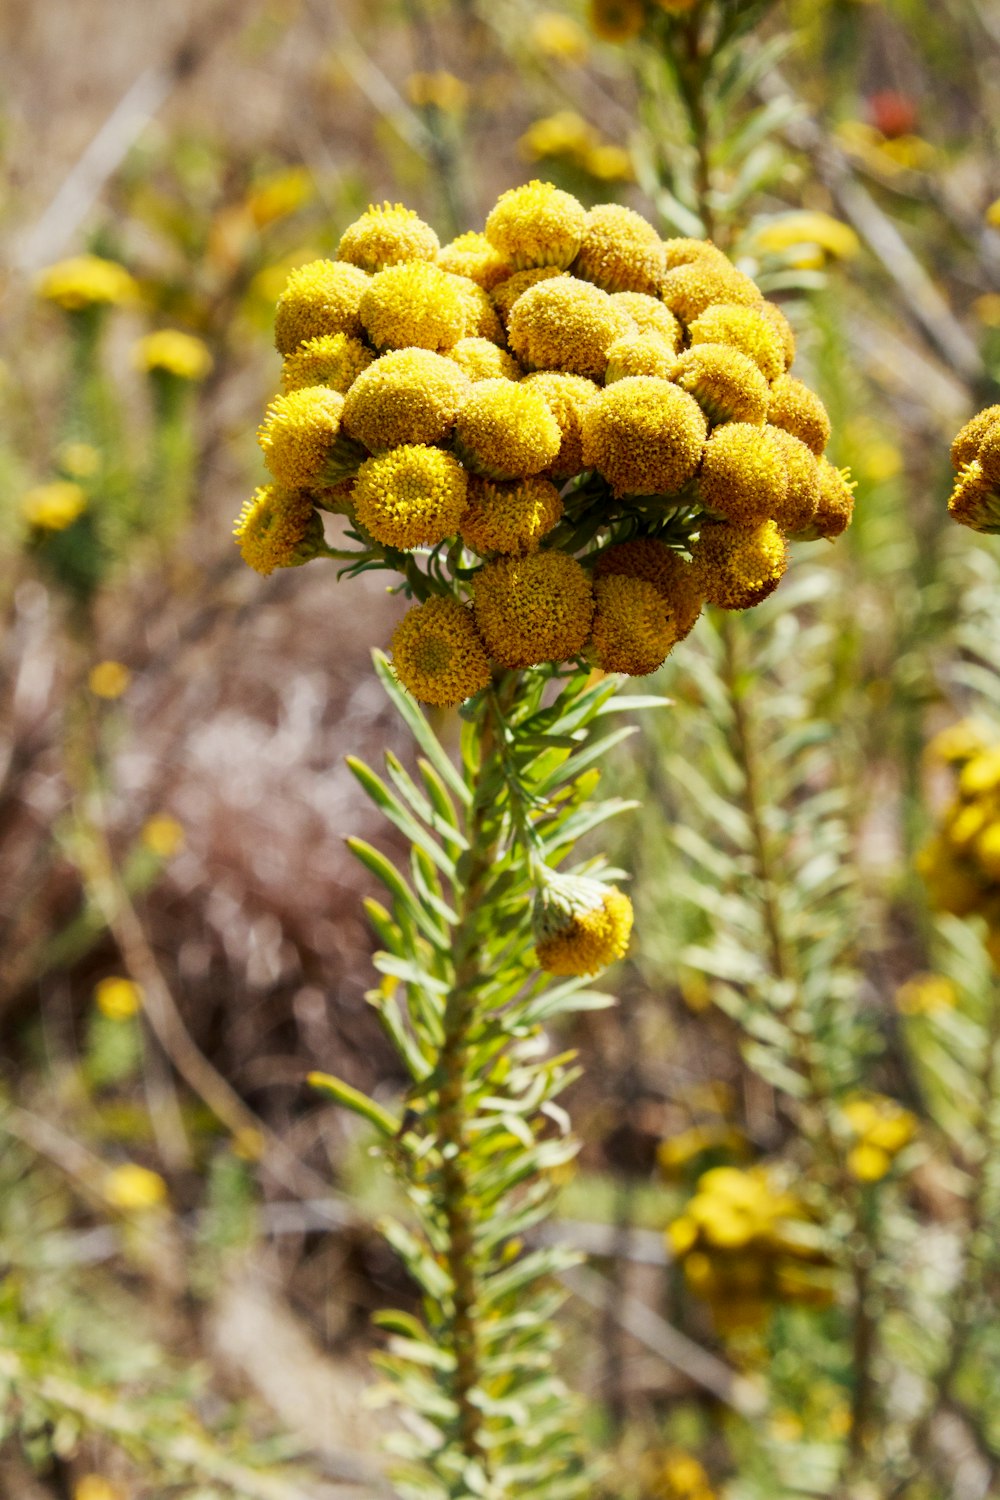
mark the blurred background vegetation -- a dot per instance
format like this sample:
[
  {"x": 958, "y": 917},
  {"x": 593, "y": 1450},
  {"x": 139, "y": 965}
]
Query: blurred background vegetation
[{"x": 186, "y": 1233}]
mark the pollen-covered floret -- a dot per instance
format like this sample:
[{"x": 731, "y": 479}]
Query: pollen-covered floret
[
  {"x": 786, "y": 333},
  {"x": 974, "y": 501},
  {"x": 742, "y": 328},
  {"x": 581, "y": 927},
  {"x": 536, "y": 225},
  {"x": 408, "y": 396},
  {"x": 415, "y": 305},
  {"x": 684, "y": 252},
  {"x": 743, "y": 476},
  {"x": 511, "y": 517},
  {"x": 333, "y": 359},
  {"x": 505, "y": 430},
  {"x": 801, "y": 465},
  {"x": 725, "y": 383},
  {"x": 278, "y": 528},
  {"x": 671, "y": 575},
  {"x": 506, "y": 292},
  {"x": 481, "y": 359},
  {"x": 481, "y": 318},
  {"x": 437, "y": 653},
  {"x": 650, "y": 316},
  {"x": 644, "y": 435},
  {"x": 799, "y": 411},
  {"x": 989, "y": 455},
  {"x": 533, "y": 609},
  {"x": 299, "y": 435},
  {"x": 967, "y": 442},
  {"x": 738, "y": 566},
  {"x": 321, "y": 297},
  {"x": 835, "y": 505},
  {"x": 639, "y": 354},
  {"x": 633, "y": 629},
  {"x": 565, "y": 324},
  {"x": 411, "y": 496},
  {"x": 387, "y": 236},
  {"x": 473, "y": 256},
  {"x": 621, "y": 251},
  {"x": 567, "y": 397},
  {"x": 688, "y": 289}
]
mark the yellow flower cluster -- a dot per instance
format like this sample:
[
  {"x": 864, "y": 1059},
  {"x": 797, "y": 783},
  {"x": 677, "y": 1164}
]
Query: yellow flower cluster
[
  {"x": 86, "y": 281},
  {"x": 879, "y": 1129},
  {"x": 975, "y": 453},
  {"x": 961, "y": 862},
  {"x": 576, "y": 430}
]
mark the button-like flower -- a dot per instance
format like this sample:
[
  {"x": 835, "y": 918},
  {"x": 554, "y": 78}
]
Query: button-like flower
[
  {"x": 621, "y": 251},
  {"x": 738, "y": 566},
  {"x": 321, "y": 297},
  {"x": 581, "y": 926},
  {"x": 533, "y": 609},
  {"x": 505, "y": 430},
  {"x": 387, "y": 236},
  {"x": 633, "y": 629},
  {"x": 509, "y": 518},
  {"x": 565, "y": 324},
  {"x": 410, "y": 496},
  {"x": 644, "y": 435},
  {"x": 408, "y": 396},
  {"x": 536, "y": 225},
  {"x": 437, "y": 653}
]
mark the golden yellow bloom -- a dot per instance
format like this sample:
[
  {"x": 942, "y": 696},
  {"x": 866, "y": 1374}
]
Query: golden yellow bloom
[
  {"x": 786, "y": 333},
  {"x": 506, "y": 292},
  {"x": 505, "y": 430},
  {"x": 559, "y": 37},
  {"x": 53, "y": 507},
  {"x": 581, "y": 926},
  {"x": 567, "y": 397},
  {"x": 926, "y": 993},
  {"x": 743, "y": 476},
  {"x": 989, "y": 455},
  {"x": 868, "y": 1163},
  {"x": 633, "y": 630},
  {"x": 621, "y": 251},
  {"x": 86, "y": 281},
  {"x": 414, "y": 305},
  {"x": 798, "y": 510},
  {"x": 738, "y": 566},
  {"x": 608, "y": 163},
  {"x": 650, "y": 316},
  {"x": 675, "y": 1475},
  {"x": 440, "y": 90},
  {"x": 118, "y": 999},
  {"x": 278, "y": 195},
  {"x": 81, "y": 460},
  {"x": 471, "y": 255},
  {"x": 965, "y": 448},
  {"x": 835, "y": 506},
  {"x": 670, "y": 574},
  {"x": 533, "y": 609},
  {"x": 277, "y": 528},
  {"x": 132, "y": 1188},
  {"x": 437, "y": 653},
  {"x": 410, "y": 496},
  {"x": 960, "y": 742},
  {"x": 173, "y": 352},
  {"x": 162, "y": 835},
  {"x": 563, "y": 134},
  {"x": 746, "y": 329},
  {"x": 644, "y": 435},
  {"x": 95, "y": 1487},
  {"x": 408, "y": 396},
  {"x": 387, "y": 236},
  {"x": 323, "y": 296},
  {"x": 509, "y": 517},
  {"x": 725, "y": 383},
  {"x": 639, "y": 354},
  {"x": 109, "y": 679},
  {"x": 616, "y": 20},
  {"x": 800, "y": 411},
  {"x": 565, "y": 324},
  {"x": 481, "y": 317},
  {"x": 689, "y": 288},
  {"x": 333, "y": 359},
  {"x": 536, "y": 225},
  {"x": 481, "y": 359},
  {"x": 299, "y": 435},
  {"x": 682, "y": 251},
  {"x": 802, "y": 228}
]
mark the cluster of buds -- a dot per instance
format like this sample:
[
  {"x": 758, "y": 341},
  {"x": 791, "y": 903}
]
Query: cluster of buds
[
  {"x": 975, "y": 453},
  {"x": 961, "y": 862},
  {"x": 566, "y": 433}
]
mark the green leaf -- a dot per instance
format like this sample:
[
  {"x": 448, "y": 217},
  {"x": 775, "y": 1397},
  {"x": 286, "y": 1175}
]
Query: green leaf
[{"x": 354, "y": 1100}]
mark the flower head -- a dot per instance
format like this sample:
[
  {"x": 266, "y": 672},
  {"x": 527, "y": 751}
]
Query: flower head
[
  {"x": 682, "y": 251},
  {"x": 505, "y": 430},
  {"x": 536, "y": 225},
  {"x": 644, "y": 435},
  {"x": 321, "y": 297},
  {"x": 437, "y": 653},
  {"x": 299, "y": 435},
  {"x": 797, "y": 511},
  {"x": 975, "y": 501},
  {"x": 671, "y": 575},
  {"x": 407, "y": 396},
  {"x": 736, "y": 566},
  {"x": 581, "y": 925},
  {"x": 175, "y": 353},
  {"x": 118, "y": 999},
  {"x": 471, "y": 255},
  {"x": 53, "y": 507},
  {"x": 621, "y": 251},
  {"x": 639, "y": 354},
  {"x": 333, "y": 359},
  {"x": 989, "y": 455},
  {"x": 743, "y": 476},
  {"x": 81, "y": 460},
  {"x": 410, "y": 496},
  {"x": 616, "y": 20},
  {"x": 744, "y": 328},
  {"x": 162, "y": 835},
  {"x": 108, "y": 679},
  {"x": 86, "y": 281},
  {"x": 509, "y": 517},
  {"x": 835, "y": 505},
  {"x": 565, "y": 324},
  {"x": 387, "y": 236},
  {"x": 506, "y": 292},
  {"x": 800, "y": 411},
  {"x": 559, "y": 36},
  {"x": 481, "y": 317},
  {"x": 277, "y": 528},
  {"x": 481, "y": 359},
  {"x": 650, "y": 316},
  {"x": 132, "y": 1188},
  {"x": 567, "y": 397},
  {"x": 533, "y": 609},
  {"x": 786, "y": 333},
  {"x": 926, "y": 993},
  {"x": 725, "y": 383},
  {"x": 688, "y": 289},
  {"x": 414, "y": 305},
  {"x": 965, "y": 448},
  {"x": 633, "y": 628}
]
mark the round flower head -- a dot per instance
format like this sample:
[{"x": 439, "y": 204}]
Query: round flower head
[
  {"x": 835, "y": 505},
  {"x": 321, "y": 297},
  {"x": 481, "y": 359},
  {"x": 799, "y": 411},
  {"x": 671, "y": 575},
  {"x": 481, "y": 319},
  {"x": 54, "y": 506},
  {"x": 974, "y": 500},
  {"x": 725, "y": 383},
  {"x": 580, "y": 925},
  {"x": 786, "y": 333},
  {"x": 299, "y": 435},
  {"x": 333, "y": 359},
  {"x": 175, "y": 353},
  {"x": 414, "y": 305},
  {"x": 387, "y": 236},
  {"x": 684, "y": 252},
  {"x": 506, "y": 430},
  {"x": 639, "y": 354},
  {"x": 633, "y": 629},
  {"x": 567, "y": 397},
  {"x": 509, "y": 517},
  {"x": 650, "y": 316},
  {"x": 86, "y": 281},
  {"x": 799, "y": 506},
  {"x": 743, "y": 475},
  {"x": 966, "y": 445},
  {"x": 411, "y": 496},
  {"x": 738, "y": 566},
  {"x": 644, "y": 435},
  {"x": 533, "y": 609},
  {"x": 616, "y": 20},
  {"x": 536, "y": 225},
  {"x": 621, "y": 251},
  {"x": 989, "y": 455},
  {"x": 437, "y": 654},
  {"x": 565, "y": 324},
  {"x": 278, "y": 528},
  {"x": 409, "y": 396},
  {"x": 473, "y": 256},
  {"x": 745, "y": 329},
  {"x": 687, "y": 290},
  {"x": 506, "y": 292}
]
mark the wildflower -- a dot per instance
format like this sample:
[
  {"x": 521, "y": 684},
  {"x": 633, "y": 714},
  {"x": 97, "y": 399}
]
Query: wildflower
[
  {"x": 959, "y": 743},
  {"x": 109, "y": 679},
  {"x": 53, "y": 507},
  {"x": 323, "y": 296},
  {"x": 559, "y": 37},
  {"x": 536, "y": 225},
  {"x": 974, "y": 500},
  {"x": 681, "y": 251},
  {"x": 800, "y": 411},
  {"x": 86, "y": 281},
  {"x": 407, "y": 396},
  {"x": 80, "y": 460},
  {"x": 926, "y": 993},
  {"x": 743, "y": 328},
  {"x": 437, "y": 653},
  {"x": 481, "y": 359},
  {"x": 563, "y": 134},
  {"x": 580, "y": 925},
  {"x": 965, "y": 447},
  {"x": 506, "y": 430},
  {"x": 471, "y": 255},
  {"x": 676, "y": 1475},
  {"x": 608, "y": 163},
  {"x": 670, "y": 574},
  {"x": 506, "y": 292},
  {"x": 299, "y": 437},
  {"x": 736, "y": 566},
  {"x": 441, "y": 91},
  {"x": 633, "y": 630},
  {"x": 334, "y": 359},
  {"x": 989, "y": 455},
  {"x": 786, "y": 333},
  {"x": 743, "y": 476},
  {"x": 413, "y": 305},
  {"x": 410, "y": 496},
  {"x": 616, "y": 20},
  {"x": 621, "y": 251},
  {"x": 644, "y": 435},
  {"x": 835, "y": 505},
  {"x": 639, "y": 354},
  {"x": 806, "y": 227},
  {"x": 95, "y": 1487},
  {"x": 174, "y": 353},
  {"x": 509, "y": 517},
  {"x": 688, "y": 289},
  {"x": 725, "y": 383},
  {"x": 567, "y": 397},
  {"x": 387, "y": 236},
  {"x": 481, "y": 318},
  {"x": 118, "y": 999},
  {"x": 881, "y": 1128},
  {"x": 650, "y": 316},
  {"x": 162, "y": 835},
  {"x": 132, "y": 1188},
  {"x": 565, "y": 324},
  {"x": 278, "y": 528},
  {"x": 278, "y": 195},
  {"x": 798, "y": 510},
  {"x": 533, "y": 609}
]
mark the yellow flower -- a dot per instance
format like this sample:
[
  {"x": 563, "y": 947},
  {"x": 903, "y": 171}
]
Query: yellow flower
[
  {"x": 639, "y": 354},
  {"x": 960, "y": 742},
  {"x": 798, "y": 510},
  {"x": 743, "y": 476},
  {"x": 86, "y": 281},
  {"x": 616, "y": 20},
  {"x": 410, "y": 496},
  {"x": 926, "y": 993},
  {"x": 738, "y": 566},
  {"x": 620, "y": 251},
  {"x": 408, "y": 396},
  {"x": 670, "y": 574},
  {"x": 163, "y": 836},
  {"x": 333, "y": 359},
  {"x": 987, "y": 309},
  {"x": 132, "y": 1188},
  {"x": 416, "y": 305},
  {"x": 506, "y": 292},
  {"x": 967, "y": 442},
  {"x": 868, "y": 1163},
  {"x": 988, "y": 851},
  {"x": 533, "y": 609},
  {"x": 509, "y": 517},
  {"x": 835, "y": 506},
  {"x": 650, "y": 316},
  {"x": 645, "y": 435},
  {"x": 471, "y": 255},
  {"x": 725, "y": 383},
  {"x": 782, "y": 328},
  {"x": 277, "y": 528},
  {"x": 559, "y": 37},
  {"x": 992, "y": 215},
  {"x": 387, "y": 236},
  {"x": 95, "y": 1487},
  {"x": 481, "y": 318},
  {"x": 278, "y": 195},
  {"x": 567, "y": 397},
  {"x": 565, "y": 324},
  {"x": 681, "y": 251},
  {"x": 633, "y": 630},
  {"x": 440, "y": 90},
  {"x": 118, "y": 999},
  {"x": 173, "y": 352},
  {"x": 989, "y": 455},
  {"x": 608, "y": 163},
  {"x": 805, "y": 227},
  {"x": 536, "y": 225},
  {"x": 563, "y": 134},
  {"x": 746, "y": 329},
  {"x": 505, "y": 430},
  {"x": 800, "y": 411},
  {"x": 689, "y": 288},
  {"x": 82, "y": 460},
  {"x": 581, "y": 926},
  {"x": 878, "y": 1121},
  {"x": 299, "y": 436},
  {"x": 323, "y": 296},
  {"x": 53, "y": 507},
  {"x": 437, "y": 653},
  {"x": 109, "y": 679},
  {"x": 481, "y": 359}
]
